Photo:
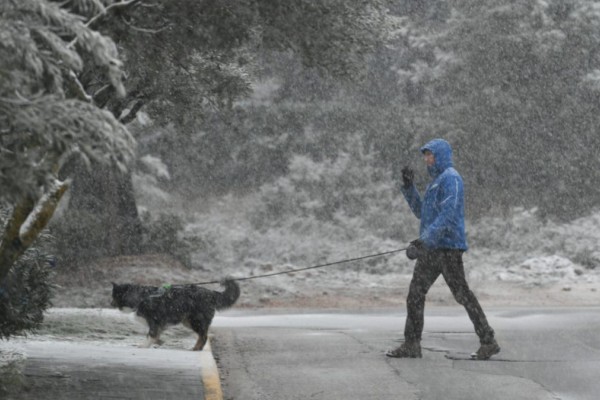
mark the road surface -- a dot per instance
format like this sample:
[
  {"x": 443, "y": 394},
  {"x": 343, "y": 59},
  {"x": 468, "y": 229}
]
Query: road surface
[{"x": 546, "y": 354}]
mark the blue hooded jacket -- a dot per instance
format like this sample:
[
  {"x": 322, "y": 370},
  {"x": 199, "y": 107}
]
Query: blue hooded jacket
[{"x": 442, "y": 211}]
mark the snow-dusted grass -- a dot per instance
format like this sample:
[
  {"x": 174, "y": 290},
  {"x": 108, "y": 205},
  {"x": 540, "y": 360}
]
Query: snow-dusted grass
[
  {"x": 12, "y": 364},
  {"x": 518, "y": 248},
  {"x": 235, "y": 245},
  {"x": 517, "y": 251},
  {"x": 522, "y": 248}
]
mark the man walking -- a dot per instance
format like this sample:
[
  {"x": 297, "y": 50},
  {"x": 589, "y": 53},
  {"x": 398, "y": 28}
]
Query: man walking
[{"x": 439, "y": 250}]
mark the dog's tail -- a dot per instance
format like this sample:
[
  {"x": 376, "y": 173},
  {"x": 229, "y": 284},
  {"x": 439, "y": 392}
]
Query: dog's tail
[{"x": 229, "y": 296}]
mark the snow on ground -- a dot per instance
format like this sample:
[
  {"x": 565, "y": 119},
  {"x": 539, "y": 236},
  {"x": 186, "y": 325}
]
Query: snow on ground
[
  {"x": 549, "y": 269},
  {"x": 102, "y": 326},
  {"x": 93, "y": 335}
]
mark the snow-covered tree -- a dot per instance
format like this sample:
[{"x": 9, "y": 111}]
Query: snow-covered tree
[
  {"x": 47, "y": 117},
  {"x": 189, "y": 58}
]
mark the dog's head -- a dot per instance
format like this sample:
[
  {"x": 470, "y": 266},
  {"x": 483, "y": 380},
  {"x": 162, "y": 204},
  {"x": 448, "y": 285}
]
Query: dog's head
[{"x": 129, "y": 296}]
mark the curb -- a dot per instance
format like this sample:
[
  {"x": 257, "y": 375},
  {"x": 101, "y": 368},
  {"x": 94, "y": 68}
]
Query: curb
[{"x": 210, "y": 374}]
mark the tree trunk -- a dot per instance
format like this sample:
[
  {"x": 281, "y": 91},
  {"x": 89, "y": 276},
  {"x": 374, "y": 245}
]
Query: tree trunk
[
  {"x": 107, "y": 194},
  {"x": 25, "y": 224}
]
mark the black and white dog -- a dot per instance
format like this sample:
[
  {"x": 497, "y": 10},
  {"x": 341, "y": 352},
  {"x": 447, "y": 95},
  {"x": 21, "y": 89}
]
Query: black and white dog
[{"x": 191, "y": 305}]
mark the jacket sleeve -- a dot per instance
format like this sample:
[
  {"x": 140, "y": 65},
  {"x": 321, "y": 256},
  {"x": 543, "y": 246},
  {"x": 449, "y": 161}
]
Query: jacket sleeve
[
  {"x": 413, "y": 199},
  {"x": 450, "y": 213}
]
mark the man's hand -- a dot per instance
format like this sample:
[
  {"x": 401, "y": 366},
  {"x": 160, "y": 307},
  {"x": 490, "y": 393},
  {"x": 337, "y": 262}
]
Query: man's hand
[
  {"x": 414, "y": 249},
  {"x": 408, "y": 177}
]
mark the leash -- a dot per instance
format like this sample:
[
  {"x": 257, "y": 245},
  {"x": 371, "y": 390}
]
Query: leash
[{"x": 290, "y": 271}]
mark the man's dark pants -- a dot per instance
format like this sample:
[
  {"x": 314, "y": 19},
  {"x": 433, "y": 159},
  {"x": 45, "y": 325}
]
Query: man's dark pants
[{"x": 428, "y": 268}]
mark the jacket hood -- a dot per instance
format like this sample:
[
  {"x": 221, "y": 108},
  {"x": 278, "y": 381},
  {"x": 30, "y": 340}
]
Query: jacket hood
[{"x": 442, "y": 152}]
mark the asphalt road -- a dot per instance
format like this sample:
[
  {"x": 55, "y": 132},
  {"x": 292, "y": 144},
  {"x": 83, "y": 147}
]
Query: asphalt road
[{"x": 546, "y": 354}]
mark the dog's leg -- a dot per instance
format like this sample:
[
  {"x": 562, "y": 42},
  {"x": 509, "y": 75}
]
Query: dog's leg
[
  {"x": 153, "y": 337},
  {"x": 156, "y": 340},
  {"x": 200, "y": 326},
  {"x": 202, "y": 338}
]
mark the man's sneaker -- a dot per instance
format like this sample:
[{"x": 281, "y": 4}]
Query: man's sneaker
[
  {"x": 407, "y": 350},
  {"x": 486, "y": 351}
]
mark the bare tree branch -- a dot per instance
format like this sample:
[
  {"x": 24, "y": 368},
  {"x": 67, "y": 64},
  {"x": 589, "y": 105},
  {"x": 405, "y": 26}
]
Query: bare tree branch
[
  {"x": 132, "y": 113},
  {"x": 77, "y": 87},
  {"x": 124, "y": 3},
  {"x": 95, "y": 18},
  {"x": 144, "y": 30}
]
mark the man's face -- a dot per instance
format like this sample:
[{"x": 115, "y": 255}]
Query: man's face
[{"x": 429, "y": 158}]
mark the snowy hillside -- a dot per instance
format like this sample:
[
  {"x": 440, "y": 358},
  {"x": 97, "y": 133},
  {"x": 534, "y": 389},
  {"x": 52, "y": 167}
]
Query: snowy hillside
[{"x": 518, "y": 248}]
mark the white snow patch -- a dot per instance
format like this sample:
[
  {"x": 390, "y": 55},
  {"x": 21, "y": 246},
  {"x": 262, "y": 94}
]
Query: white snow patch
[
  {"x": 10, "y": 354},
  {"x": 543, "y": 270},
  {"x": 155, "y": 166}
]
